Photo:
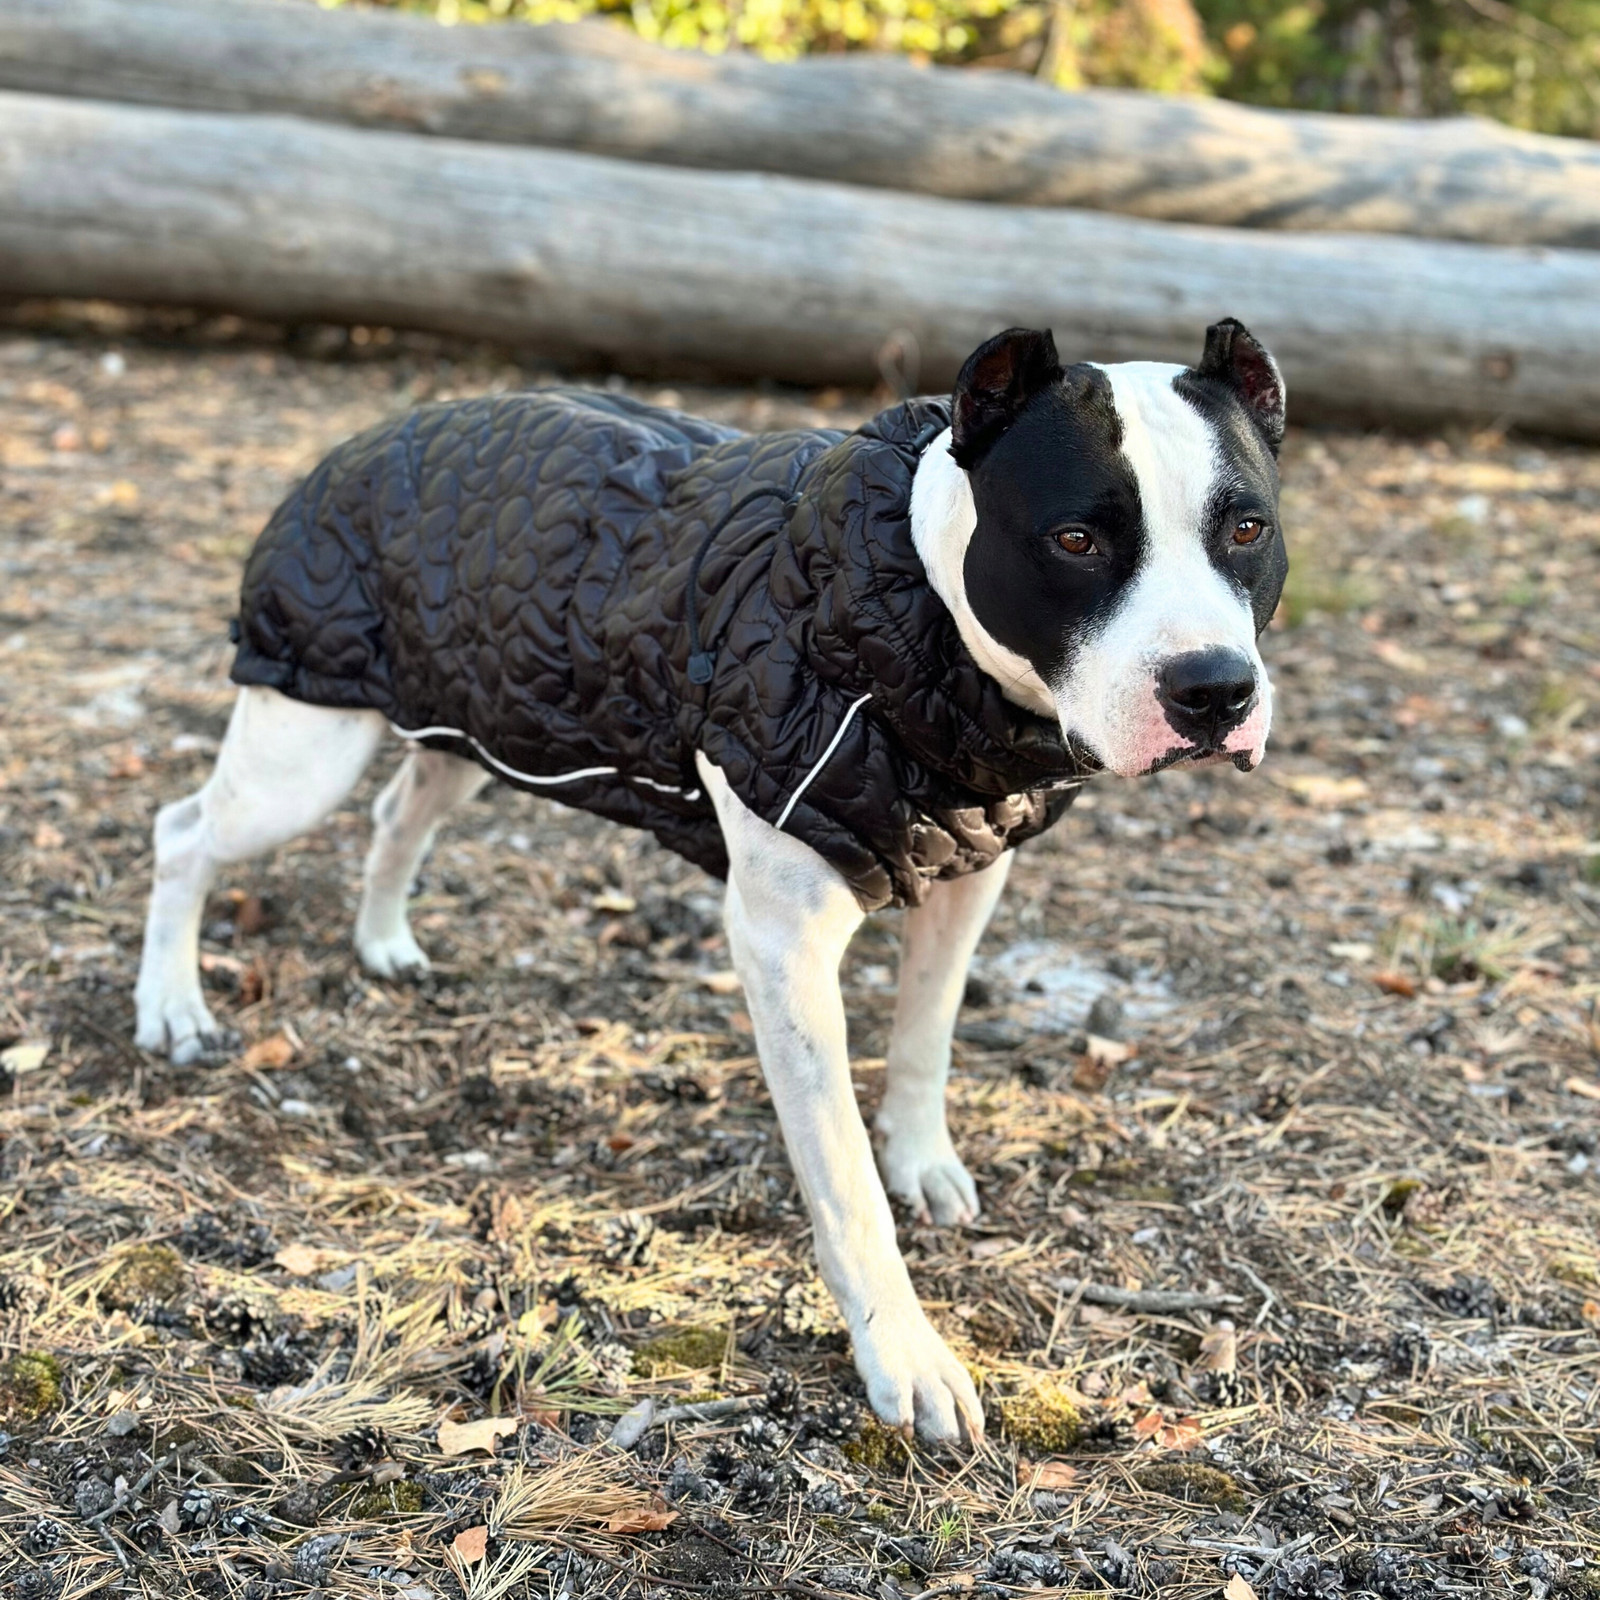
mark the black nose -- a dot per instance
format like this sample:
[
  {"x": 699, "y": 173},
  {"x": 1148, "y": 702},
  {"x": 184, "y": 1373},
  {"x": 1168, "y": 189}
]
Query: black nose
[{"x": 1207, "y": 693}]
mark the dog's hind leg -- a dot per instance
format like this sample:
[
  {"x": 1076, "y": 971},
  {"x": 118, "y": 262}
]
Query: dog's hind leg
[
  {"x": 405, "y": 818},
  {"x": 283, "y": 767},
  {"x": 914, "y": 1151}
]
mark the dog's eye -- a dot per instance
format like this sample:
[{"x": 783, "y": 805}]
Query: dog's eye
[
  {"x": 1248, "y": 530},
  {"x": 1076, "y": 541}
]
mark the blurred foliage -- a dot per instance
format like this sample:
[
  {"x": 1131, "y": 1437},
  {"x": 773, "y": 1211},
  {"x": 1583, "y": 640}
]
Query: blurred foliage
[{"x": 1532, "y": 63}]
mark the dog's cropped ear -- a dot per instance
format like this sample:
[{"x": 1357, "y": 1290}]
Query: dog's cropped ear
[
  {"x": 1237, "y": 358},
  {"x": 999, "y": 378}
]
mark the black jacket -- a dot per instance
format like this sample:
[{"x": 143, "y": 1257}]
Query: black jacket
[{"x": 508, "y": 578}]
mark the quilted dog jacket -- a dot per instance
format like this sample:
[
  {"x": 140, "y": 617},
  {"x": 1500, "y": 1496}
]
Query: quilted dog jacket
[{"x": 523, "y": 580}]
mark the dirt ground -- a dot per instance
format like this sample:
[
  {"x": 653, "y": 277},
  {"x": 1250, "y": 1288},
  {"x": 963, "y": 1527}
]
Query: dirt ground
[{"x": 1342, "y": 1088}]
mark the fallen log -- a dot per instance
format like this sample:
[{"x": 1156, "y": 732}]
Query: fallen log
[
  {"x": 644, "y": 269},
  {"x": 868, "y": 120}
]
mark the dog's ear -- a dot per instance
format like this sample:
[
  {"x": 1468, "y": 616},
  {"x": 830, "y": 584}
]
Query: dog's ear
[
  {"x": 1237, "y": 358},
  {"x": 999, "y": 378}
]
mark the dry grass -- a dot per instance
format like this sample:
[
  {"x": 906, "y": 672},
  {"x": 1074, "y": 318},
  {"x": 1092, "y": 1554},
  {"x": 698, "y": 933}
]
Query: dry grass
[{"x": 1365, "y": 1106}]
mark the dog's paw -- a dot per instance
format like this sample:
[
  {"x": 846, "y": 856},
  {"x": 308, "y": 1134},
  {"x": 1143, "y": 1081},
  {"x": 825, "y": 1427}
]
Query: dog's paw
[
  {"x": 183, "y": 1029},
  {"x": 914, "y": 1380},
  {"x": 921, "y": 1167},
  {"x": 396, "y": 955}
]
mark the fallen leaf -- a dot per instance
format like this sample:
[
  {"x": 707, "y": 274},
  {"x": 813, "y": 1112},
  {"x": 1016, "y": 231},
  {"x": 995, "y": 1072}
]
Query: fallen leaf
[
  {"x": 722, "y": 982},
  {"x": 28, "y": 1056},
  {"x": 614, "y": 900},
  {"x": 1183, "y": 1435},
  {"x": 1577, "y": 1085},
  {"x": 457, "y": 1438},
  {"x": 1054, "y": 1475},
  {"x": 48, "y": 837},
  {"x": 274, "y": 1052},
  {"x": 1219, "y": 1349},
  {"x": 1238, "y": 1588},
  {"x": 471, "y": 1544},
  {"x": 640, "y": 1519},
  {"x": 127, "y": 763},
  {"x": 740, "y": 1022},
  {"x": 1591, "y": 1313},
  {"x": 1399, "y": 983},
  {"x": 1148, "y": 1426},
  {"x": 251, "y": 916},
  {"x": 302, "y": 1260}
]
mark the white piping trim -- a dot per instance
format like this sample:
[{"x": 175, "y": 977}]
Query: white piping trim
[
  {"x": 833, "y": 744},
  {"x": 532, "y": 777}
]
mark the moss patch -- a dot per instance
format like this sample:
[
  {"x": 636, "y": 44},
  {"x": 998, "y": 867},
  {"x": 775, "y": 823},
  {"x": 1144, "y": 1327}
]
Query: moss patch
[
  {"x": 146, "y": 1273},
  {"x": 403, "y": 1499},
  {"x": 1045, "y": 1419},
  {"x": 30, "y": 1385},
  {"x": 877, "y": 1448},
  {"x": 1193, "y": 1481},
  {"x": 694, "y": 1348}
]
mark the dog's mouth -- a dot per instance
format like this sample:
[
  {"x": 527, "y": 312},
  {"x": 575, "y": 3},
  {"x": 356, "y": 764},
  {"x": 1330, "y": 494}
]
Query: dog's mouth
[{"x": 1200, "y": 755}]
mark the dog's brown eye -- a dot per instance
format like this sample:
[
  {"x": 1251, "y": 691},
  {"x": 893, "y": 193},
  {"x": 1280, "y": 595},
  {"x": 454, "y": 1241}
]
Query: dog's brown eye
[
  {"x": 1248, "y": 530},
  {"x": 1075, "y": 541}
]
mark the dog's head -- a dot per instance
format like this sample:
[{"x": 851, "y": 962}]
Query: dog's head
[{"x": 1122, "y": 547}]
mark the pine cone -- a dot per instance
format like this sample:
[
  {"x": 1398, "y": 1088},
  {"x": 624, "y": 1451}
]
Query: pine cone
[
  {"x": 783, "y": 1395},
  {"x": 92, "y": 1496},
  {"x": 147, "y": 1532},
  {"x": 44, "y": 1535},
  {"x": 721, "y": 1463},
  {"x": 838, "y": 1419},
  {"x": 362, "y": 1446},
  {"x": 1305, "y": 1578},
  {"x": 196, "y": 1509},
  {"x": 755, "y": 1487},
  {"x": 761, "y": 1436}
]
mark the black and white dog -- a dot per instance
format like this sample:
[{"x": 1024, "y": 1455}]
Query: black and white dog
[{"x": 1090, "y": 552}]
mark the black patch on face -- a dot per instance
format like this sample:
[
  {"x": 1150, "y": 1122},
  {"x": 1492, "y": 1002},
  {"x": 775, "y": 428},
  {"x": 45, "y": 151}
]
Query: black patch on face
[{"x": 1058, "y": 466}]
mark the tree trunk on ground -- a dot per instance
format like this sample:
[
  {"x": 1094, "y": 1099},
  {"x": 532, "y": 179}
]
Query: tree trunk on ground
[
  {"x": 649, "y": 269},
  {"x": 868, "y": 120}
]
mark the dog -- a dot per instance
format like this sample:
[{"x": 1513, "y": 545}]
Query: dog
[{"x": 844, "y": 670}]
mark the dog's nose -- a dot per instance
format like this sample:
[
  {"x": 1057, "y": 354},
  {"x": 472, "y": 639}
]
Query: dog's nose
[{"x": 1207, "y": 693}]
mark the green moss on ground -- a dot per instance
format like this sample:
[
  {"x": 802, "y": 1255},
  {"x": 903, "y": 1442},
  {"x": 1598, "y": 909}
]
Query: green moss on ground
[
  {"x": 30, "y": 1385},
  {"x": 402, "y": 1499},
  {"x": 877, "y": 1447},
  {"x": 1193, "y": 1481},
  {"x": 146, "y": 1273},
  {"x": 695, "y": 1348},
  {"x": 1044, "y": 1419}
]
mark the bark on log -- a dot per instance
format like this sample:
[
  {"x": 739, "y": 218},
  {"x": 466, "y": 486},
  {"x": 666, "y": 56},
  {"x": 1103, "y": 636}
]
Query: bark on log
[
  {"x": 867, "y": 120},
  {"x": 648, "y": 269}
]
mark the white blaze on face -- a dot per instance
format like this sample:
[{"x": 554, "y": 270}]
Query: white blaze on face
[{"x": 1177, "y": 602}]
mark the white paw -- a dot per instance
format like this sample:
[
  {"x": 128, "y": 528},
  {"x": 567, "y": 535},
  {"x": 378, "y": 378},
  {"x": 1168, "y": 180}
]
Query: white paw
[
  {"x": 181, "y": 1027},
  {"x": 921, "y": 1167},
  {"x": 914, "y": 1380},
  {"x": 394, "y": 955}
]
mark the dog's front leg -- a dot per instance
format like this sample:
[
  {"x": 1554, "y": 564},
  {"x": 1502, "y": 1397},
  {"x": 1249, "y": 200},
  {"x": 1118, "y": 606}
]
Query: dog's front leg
[
  {"x": 790, "y": 917},
  {"x": 919, "y": 1162}
]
